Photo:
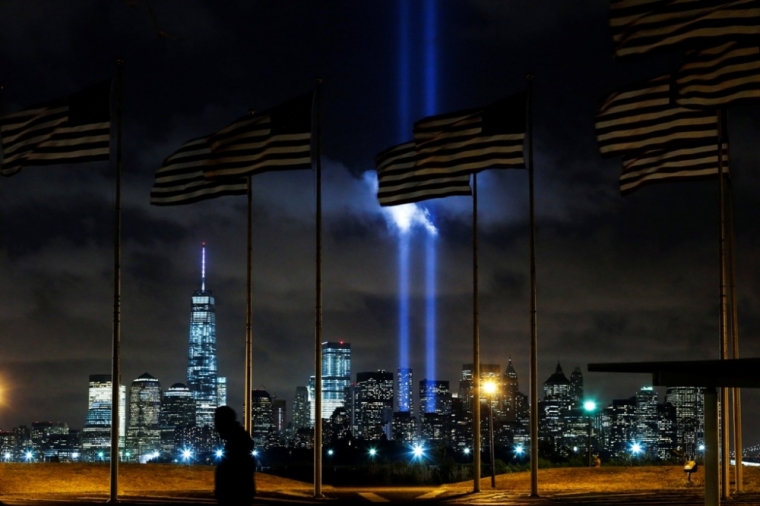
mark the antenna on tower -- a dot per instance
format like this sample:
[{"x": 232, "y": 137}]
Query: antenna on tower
[{"x": 203, "y": 268}]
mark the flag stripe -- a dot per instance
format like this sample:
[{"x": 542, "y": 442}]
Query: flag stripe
[
  {"x": 688, "y": 163},
  {"x": 640, "y": 118},
  {"x": 180, "y": 179},
  {"x": 460, "y": 146},
  {"x": 45, "y": 134},
  {"x": 252, "y": 144},
  {"x": 400, "y": 181},
  {"x": 718, "y": 77},
  {"x": 639, "y": 27}
]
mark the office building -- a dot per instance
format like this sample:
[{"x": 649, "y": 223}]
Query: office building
[
  {"x": 177, "y": 412},
  {"x": 96, "y": 434},
  {"x": 375, "y": 404},
  {"x": 143, "y": 427},
  {"x": 405, "y": 390},
  {"x": 202, "y": 377},
  {"x": 336, "y": 375}
]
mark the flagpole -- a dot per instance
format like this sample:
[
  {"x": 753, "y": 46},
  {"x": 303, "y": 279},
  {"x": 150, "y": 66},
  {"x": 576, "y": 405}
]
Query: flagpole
[
  {"x": 533, "y": 322},
  {"x": 737, "y": 403},
  {"x": 249, "y": 318},
  {"x": 475, "y": 341},
  {"x": 318, "y": 306},
  {"x": 116, "y": 358},
  {"x": 724, "y": 421}
]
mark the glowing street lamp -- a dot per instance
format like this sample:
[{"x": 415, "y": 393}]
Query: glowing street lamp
[
  {"x": 519, "y": 450},
  {"x": 187, "y": 454},
  {"x": 219, "y": 453},
  {"x": 418, "y": 451},
  {"x": 330, "y": 452},
  {"x": 100, "y": 455},
  {"x": 28, "y": 455},
  {"x": 466, "y": 451},
  {"x": 589, "y": 406},
  {"x": 7, "y": 456},
  {"x": 372, "y": 452}
]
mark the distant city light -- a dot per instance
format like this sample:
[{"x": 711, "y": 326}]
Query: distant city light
[
  {"x": 701, "y": 448},
  {"x": 575, "y": 449},
  {"x": 519, "y": 449},
  {"x": 7, "y": 456},
  {"x": 418, "y": 451},
  {"x": 466, "y": 451},
  {"x": 74, "y": 455},
  {"x": 219, "y": 454},
  {"x": 187, "y": 454},
  {"x": 330, "y": 452},
  {"x": 635, "y": 448},
  {"x": 372, "y": 452},
  {"x": 589, "y": 406},
  {"x": 28, "y": 456},
  {"x": 100, "y": 455},
  {"x": 255, "y": 453}
]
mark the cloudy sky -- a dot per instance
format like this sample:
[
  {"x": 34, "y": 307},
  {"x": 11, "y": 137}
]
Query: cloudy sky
[{"x": 619, "y": 279}]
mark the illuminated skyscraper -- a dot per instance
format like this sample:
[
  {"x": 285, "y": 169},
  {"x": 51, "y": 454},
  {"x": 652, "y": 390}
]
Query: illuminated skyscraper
[
  {"x": 375, "y": 404},
  {"x": 144, "y": 430},
  {"x": 405, "y": 390},
  {"x": 201, "y": 367},
  {"x": 336, "y": 375},
  {"x": 96, "y": 434},
  {"x": 301, "y": 408},
  {"x": 177, "y": 412},
  {"x": 511, "y": 390}
]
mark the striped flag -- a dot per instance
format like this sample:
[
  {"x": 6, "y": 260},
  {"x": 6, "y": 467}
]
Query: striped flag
[
  {"x": 180, "y": 179},
  {"x": 719, "y": 76},
  {"x": 641, "y": 118},
  {"x": 640, "y": 27},
  {"x": 400, "y": 181},
  {"x": 276, "y": 139},
  {"x": 687, "y": 163},
  {"x": 472, "y": 140},
  {"x": 74, "y": 129}
]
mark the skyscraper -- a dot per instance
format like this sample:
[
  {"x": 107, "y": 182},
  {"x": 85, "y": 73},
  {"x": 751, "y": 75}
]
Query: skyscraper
[
  {"x": 336, "y": 375},
  {"x": 511, "y": 389},
  {"x": 96, "y": 434},
  {"x": 301, "y": 408},
  {"x": 201, "y": 367},
  {"x": 177, "y": 412},
  {"x": 375, "y": 404},
  {"x": 405, "y": 390},
  {"x": 263, "y": 419},
  {"x": 144, "y": 429}
]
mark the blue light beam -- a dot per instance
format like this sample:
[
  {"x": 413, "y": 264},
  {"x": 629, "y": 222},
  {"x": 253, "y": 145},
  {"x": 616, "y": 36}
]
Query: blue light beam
[{"x": 430, "y": 313}]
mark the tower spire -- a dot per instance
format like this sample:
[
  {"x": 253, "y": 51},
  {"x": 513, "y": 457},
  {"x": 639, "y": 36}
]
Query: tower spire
[{"x": 203, "y": 268}]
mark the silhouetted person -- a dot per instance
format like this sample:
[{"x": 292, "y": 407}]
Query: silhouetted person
[{"x": 234, "y": 474}]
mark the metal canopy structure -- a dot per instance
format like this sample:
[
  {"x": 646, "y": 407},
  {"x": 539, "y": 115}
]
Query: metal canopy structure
[{"x": 711, "y": 374}]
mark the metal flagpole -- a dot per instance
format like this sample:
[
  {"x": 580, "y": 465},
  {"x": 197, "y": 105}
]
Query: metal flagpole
[
  {"x": 318, "y": 306},
  {"x": 737, "y": 403},
  {"x": 724, "y": 422},
  {"x": 115, "y": 357},
  {"x": 475, "y": 342},
  {"x": 533, "y": 324},
  {"x": 248, "y": 319}
]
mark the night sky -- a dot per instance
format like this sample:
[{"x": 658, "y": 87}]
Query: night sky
[{"x": 619, "y": 279}]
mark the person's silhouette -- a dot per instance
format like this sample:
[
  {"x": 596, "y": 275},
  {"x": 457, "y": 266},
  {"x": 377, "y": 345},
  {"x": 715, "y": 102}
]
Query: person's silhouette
[{"x": 235, "y": 484}]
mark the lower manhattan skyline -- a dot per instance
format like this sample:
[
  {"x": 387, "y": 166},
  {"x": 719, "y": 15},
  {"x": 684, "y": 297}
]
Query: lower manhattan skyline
[{"x": 619, "y": 278}]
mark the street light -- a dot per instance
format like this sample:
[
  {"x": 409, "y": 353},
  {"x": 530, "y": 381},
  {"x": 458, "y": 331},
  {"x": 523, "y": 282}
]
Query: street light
[
  {"x": 635, "y": 450},
  {"x": 418, "y": 451},
  {"x": 590, "y": 407},
  {"x": 490, "y": 389},
  {"x": 519, "y": 450}
]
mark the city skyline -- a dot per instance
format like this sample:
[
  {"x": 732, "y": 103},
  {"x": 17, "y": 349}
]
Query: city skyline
[{"x": 619, "y": 278}]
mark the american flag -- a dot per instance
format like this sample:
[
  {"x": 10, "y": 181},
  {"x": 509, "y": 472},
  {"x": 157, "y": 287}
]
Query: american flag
[
  {"x": 73, "y": 129},
  {"x": 180, "y": 179},
  {"x": 640, "y": 27},
  {"x": 719, "y": 76},
  {"x": 400, "y": 181},
  {"x": 276, "y": 139}
]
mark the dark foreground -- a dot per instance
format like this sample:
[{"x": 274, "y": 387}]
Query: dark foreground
[{"x": 419, "y": 496}]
